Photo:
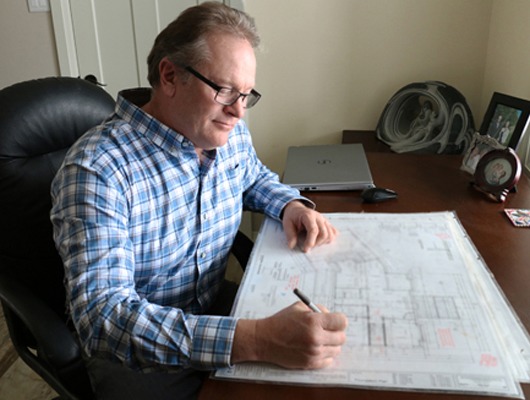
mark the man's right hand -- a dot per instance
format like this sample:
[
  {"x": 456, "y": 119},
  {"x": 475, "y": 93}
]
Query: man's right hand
[{"x": 295, "y": 337}]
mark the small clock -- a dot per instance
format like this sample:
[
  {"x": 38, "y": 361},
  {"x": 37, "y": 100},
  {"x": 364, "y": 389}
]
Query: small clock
[{"x": 497, "y": 172}]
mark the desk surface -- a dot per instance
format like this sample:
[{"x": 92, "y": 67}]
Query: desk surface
[{"x": 424, "y": 183}]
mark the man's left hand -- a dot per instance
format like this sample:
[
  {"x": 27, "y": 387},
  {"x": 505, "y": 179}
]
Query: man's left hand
[{"x": 299, "y": 220}]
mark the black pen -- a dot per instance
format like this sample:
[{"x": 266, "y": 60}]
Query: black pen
[{"x": 306, "y": 300}]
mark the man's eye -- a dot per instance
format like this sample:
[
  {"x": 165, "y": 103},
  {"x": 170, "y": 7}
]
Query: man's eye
[{"x": 226, "y": 92}]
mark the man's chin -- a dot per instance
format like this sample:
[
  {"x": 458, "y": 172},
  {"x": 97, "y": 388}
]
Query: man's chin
[{"x": 220, "y": 141}]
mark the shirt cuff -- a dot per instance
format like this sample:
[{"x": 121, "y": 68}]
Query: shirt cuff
[
  {"x": 213, "y": 339},
  {"x": 306, "y": 202}
]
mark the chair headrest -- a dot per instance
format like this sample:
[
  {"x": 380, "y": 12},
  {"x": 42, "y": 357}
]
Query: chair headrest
[{"x": 39, "y": 120}]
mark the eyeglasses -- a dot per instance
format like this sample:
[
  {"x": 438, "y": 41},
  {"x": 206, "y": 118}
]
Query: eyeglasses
[{"x": 228, "y": 96}]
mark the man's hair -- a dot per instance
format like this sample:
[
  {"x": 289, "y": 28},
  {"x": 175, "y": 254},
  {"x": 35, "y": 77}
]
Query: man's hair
[{"x": 183, "y": 41}]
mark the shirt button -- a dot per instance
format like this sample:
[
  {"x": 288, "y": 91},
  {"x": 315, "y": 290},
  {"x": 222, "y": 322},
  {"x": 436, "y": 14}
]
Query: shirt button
[{"x": 203, "y": 255}]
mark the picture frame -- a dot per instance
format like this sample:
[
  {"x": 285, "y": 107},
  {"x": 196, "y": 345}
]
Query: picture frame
[
  {"x": 506, "y": 119},
  {"x": 497, "y": 173},
  {"x": 526, "y": 163},
  {"x": 479, "y": 146}
]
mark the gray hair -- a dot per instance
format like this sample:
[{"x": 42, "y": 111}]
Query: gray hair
[{"x": 183, "y": 41}]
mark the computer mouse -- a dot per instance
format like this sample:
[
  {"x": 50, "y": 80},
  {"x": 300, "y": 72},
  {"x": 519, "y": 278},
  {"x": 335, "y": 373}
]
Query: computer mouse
[{"x": 377, "y": 194}]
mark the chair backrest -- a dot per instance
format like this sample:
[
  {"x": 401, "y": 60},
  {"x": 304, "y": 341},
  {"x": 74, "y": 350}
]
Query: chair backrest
[{"x": 39, "y": 120}]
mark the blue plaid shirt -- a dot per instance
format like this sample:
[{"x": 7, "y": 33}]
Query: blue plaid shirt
[{"x": 144, "y": 230}]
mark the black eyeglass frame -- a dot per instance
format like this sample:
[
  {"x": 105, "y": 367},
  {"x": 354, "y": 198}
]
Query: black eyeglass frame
[{"x": 252, "y": 97}]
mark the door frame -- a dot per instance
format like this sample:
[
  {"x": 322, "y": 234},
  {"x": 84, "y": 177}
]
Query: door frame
[{"x": 65, "y": 40}]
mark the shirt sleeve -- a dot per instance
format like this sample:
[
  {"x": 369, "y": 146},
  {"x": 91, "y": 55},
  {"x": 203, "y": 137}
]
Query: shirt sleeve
[
  {"x": 89, "y": 216},
  {"x": 264, "y": 192}
]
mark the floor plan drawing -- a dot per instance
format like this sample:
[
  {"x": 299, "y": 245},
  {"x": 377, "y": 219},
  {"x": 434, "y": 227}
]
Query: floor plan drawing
[{"x": 406, "y": 284}]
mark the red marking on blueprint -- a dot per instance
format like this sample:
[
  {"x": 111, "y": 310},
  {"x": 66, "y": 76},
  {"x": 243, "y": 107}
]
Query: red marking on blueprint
[
  {"x": 488, "y": 360},
  {"x": 293, "y": 282},
  {"x": 445, "y": 336},
  {"x": 443, "y": 236}
]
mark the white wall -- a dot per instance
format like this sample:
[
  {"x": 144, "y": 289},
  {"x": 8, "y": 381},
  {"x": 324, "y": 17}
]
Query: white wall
[
  {"x": 333, "y": 65},
  {"x": 508, "y": 63},
  {"x": 27, "y": 48}
]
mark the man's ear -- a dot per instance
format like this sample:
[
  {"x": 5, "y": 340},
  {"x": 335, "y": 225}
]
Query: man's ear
[{"x": 168, "y": 76}]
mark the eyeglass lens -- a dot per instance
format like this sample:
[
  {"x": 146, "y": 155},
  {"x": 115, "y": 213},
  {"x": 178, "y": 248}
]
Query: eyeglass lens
[{"x": 227, "y": 96}]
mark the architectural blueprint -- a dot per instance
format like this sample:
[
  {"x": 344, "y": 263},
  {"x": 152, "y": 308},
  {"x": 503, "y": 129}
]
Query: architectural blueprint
[{"x": 418, "y": 298}]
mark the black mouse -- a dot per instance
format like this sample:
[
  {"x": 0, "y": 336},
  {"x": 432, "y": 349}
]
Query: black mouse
[{"x": 377, "y": 194}]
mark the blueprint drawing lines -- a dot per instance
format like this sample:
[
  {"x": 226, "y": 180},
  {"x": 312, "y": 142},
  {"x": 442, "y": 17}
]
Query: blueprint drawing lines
[{"x": 416, "y": 320}]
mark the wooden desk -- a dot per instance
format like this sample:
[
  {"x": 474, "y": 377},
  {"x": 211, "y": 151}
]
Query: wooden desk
[{"x": 424, "y": 183}]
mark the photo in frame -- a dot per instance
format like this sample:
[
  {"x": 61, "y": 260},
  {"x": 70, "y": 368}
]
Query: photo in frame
[
  {"x": 497, "y": 173},
  {"x": 479, "y": 146},
  {"x": 506, "y": 119}
]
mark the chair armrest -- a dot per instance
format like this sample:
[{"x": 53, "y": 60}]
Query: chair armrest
[
  {"x": 241, "y": 248},
  {"x": 55, "y": 343}
]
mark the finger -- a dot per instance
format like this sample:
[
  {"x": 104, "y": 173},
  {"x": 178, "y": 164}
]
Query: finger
[
  {"x": 331, "y": 351},
  {"x": 331, "y": 232},
  {"x": 333, "y": 339},
  {"x": 323, "y": 308},
  {"x": 320, "y": 363},
  {"x": 326, "y": 233},
  {"x": 328, "y": 362},
  {"x": 291, "y": 234},
  {"x": 334, "y": 322},
  {"x": 313, "y": 233},
  {"x": 325, "y": 357}
]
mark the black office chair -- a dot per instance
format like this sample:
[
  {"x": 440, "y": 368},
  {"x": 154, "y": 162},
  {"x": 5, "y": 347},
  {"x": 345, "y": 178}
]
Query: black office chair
[{"x": 39, "y": 121}]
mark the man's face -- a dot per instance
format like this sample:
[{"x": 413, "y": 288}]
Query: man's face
[{"x": 198, "y": 116}]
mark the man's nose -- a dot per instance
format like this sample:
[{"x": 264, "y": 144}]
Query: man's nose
[{"x": 238, "y": 108}]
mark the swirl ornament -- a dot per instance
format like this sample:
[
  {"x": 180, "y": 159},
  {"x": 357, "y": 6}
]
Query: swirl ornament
[{"x": 427, "y": 117}]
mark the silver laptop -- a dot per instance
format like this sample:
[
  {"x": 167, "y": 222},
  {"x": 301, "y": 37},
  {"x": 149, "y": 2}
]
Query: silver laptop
[{"x": 328, "y": 167}]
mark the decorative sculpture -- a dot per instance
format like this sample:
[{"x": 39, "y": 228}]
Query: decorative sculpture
[{"x": 427, "y": 117}]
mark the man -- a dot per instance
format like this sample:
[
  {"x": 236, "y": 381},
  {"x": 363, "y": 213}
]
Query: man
[{"x": 145, "y": 209}]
